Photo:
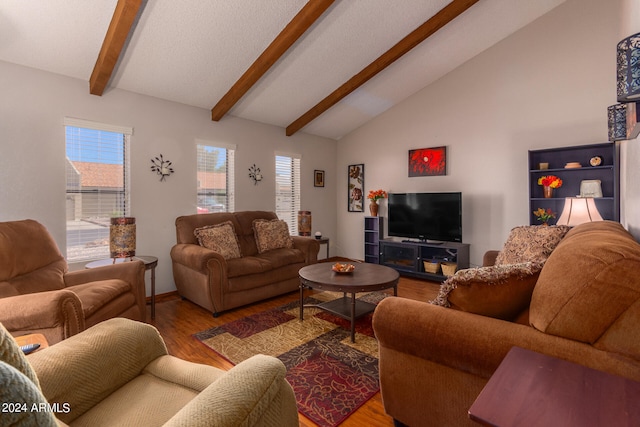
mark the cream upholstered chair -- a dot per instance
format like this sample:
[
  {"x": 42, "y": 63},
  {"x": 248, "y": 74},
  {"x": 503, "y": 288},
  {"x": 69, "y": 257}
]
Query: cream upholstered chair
[{"x": 118, "y": 373}]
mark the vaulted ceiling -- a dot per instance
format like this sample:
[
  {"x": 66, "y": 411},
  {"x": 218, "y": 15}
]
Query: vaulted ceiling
[{"x": 323, "y": 67}]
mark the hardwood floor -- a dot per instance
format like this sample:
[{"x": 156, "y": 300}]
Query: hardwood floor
[{"x": 177, "y": 320}]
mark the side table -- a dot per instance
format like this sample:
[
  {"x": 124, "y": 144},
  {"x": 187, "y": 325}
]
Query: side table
[
  {"x": 150, "y": 263},
  {"x": 533, "y": 389},
  {"x": 33, "y": 339},
  {"x": 324, "y": 241}
]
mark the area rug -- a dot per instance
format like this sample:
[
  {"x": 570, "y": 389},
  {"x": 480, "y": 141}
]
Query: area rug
[{"x": 331, "y": 376}]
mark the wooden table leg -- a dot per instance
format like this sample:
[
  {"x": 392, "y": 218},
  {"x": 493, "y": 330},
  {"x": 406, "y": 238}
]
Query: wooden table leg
[
  {"x": 301, "y": 302},
  {"x": 353, "y": 317},
  {"x": 153, "y": 293}
]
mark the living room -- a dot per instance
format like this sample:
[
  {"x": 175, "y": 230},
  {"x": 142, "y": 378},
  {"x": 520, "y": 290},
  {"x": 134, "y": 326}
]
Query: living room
[
  {"x": 546, "y": 85},
  {"x": 488, "y": 112}
]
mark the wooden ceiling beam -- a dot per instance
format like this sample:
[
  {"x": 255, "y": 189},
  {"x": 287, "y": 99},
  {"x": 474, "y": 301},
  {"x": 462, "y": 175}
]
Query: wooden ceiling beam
[
  {"x": 119, "y": 29},
  {"x": 287, "y": 37},
  {"x": 417, "y": 36}
]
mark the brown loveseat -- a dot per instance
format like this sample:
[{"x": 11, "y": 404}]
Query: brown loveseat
[
  {"x": 38, "y": 295},
  {"x": 585, "y": 308},
  {"x": 224, "y": 279}
]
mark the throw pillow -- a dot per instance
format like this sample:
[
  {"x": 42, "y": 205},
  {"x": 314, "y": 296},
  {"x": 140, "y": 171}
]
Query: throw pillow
[
  {"x": 271, "y": 234},
  {"x": 531, "y": 243},
  {"x": 220, "y": 238},
  {"x": 499, "y": 291}
]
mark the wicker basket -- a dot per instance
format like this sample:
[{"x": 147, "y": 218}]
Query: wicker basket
[
  {"x": 449, "y": 268},
  {"x": 431, "y": 266}
]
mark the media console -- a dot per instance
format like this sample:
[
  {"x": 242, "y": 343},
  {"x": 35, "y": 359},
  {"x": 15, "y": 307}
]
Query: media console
[{"x": 407, "y": 257}]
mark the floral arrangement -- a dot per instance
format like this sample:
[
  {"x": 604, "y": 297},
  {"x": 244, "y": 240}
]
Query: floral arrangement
[
  {"x": 377, "y": 194},
  {"x": 550, "y": 181},
  {"x": 544, "y": 215}
]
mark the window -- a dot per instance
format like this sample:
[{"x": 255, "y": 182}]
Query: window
[
  {"x": 215, "y": 178},
  {"x": 288, "y": 189},
  {"x": 97, "y": 178}
]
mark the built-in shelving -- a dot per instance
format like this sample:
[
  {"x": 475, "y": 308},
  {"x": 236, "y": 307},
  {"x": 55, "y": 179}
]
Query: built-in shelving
[
  {"x": 373, "y": 233},
  {"x": 606, "y": 172}
]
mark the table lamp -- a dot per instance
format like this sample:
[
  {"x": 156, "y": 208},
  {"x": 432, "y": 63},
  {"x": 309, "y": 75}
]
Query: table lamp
[
  {"x": 122, "y": 238},
  {"x": 578, "y": 210}
]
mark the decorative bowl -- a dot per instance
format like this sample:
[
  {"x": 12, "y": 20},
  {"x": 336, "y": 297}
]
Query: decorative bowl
[{"x": 343, "y": 268}]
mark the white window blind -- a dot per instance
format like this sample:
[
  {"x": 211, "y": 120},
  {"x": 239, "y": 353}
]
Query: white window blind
[
  {"x": 215, "y": 188},
  {"x": 97, "y": 185},
  {"x": 288, "y": 189}
]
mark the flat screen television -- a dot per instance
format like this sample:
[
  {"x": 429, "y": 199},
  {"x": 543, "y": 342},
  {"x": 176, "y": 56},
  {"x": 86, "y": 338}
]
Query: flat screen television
[{"x": 426, "y": 216}]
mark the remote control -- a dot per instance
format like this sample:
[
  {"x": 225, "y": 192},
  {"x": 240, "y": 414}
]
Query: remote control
[{"x": 26, "y": 349}]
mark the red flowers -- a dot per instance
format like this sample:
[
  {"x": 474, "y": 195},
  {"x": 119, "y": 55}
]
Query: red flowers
[
  {"x": 377, "y": 194},
  {"x": 550, "y": 181}
]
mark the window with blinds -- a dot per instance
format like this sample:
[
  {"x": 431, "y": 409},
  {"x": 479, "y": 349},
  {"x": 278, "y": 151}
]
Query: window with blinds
[
  {"x": 288, "y": 189},
  {"x": 215, "y": 186},
  {"x": 97, "y": 185}
]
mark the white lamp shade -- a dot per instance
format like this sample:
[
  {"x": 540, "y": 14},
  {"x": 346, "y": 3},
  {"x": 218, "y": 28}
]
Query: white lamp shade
[{"x": 578, "y": 210}]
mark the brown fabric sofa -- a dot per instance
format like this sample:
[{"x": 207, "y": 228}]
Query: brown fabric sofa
[
  {"x": 118, "y": 373},
  {"x": 39, "y": 295},
  {"x": 206, "y": 278},
  {"x": 585, "y": 308}
]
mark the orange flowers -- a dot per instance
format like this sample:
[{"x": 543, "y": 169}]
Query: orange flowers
[
  {"x": 377, "y": 194},
  {"x": 550, "y": 181},
  {"x": 544, "y": 215}
]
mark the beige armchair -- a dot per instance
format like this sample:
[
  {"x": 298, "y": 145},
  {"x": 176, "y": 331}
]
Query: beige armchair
[
  {"x": 118, "y": 373},
  {"x": 39, "y": 295}
]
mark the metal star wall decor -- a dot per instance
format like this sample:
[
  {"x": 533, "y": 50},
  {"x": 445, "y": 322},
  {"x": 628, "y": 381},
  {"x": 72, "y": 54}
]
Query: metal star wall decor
[{"x": 162, "y": 167}]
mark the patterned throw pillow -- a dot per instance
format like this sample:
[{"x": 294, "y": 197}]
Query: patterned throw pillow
[
  {"x": 271, "y": 234},
  {"x": 531, "y": 243},
  {"x": 220, "y": 238},
  {"x": 500, "y": 291}
]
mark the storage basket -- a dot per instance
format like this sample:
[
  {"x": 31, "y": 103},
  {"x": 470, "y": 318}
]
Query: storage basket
[
  {"x": 449, "y": 268},
  {"x": 431, "y": 266}
]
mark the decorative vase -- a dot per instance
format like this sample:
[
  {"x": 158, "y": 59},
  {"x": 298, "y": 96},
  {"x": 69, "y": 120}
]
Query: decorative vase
[
  {"x": 304, "y": 223},
  {"x": 373, "y": 208},
  {"x": 547, "y": 191}
]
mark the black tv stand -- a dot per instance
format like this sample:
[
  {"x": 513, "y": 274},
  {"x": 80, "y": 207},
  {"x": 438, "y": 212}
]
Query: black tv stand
[{"x": 408, "y": 256}]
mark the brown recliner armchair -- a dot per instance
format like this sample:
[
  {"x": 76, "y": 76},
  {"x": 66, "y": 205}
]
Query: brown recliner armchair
[
  {"x": 584, "y": 307},
  {"x": 39, "y": 295}
]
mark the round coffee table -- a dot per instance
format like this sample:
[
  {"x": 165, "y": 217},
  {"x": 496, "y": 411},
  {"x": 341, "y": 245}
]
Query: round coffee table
[{"x": 365, "y": 278}]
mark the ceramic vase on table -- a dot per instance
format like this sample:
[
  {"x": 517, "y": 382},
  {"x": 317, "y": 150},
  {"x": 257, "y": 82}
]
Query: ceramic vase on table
[
  {"x": 547, "y": 191},
  {"x": 373, "y": 208}
]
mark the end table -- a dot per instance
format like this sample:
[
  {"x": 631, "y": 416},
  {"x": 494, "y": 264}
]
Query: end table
[
  {"x": 33, "y": 339},
  {"x": 531, "y": 388},
  {"x": 150, "y": 263}
]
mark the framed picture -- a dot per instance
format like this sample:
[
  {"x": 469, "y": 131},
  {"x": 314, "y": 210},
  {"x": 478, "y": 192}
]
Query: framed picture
[
  {"x": 428, "y": 161},
  {"x": 355, "y": 188},
  {"x": 318, "y": 178}
]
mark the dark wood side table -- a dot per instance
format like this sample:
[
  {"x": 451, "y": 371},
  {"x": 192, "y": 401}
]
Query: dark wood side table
[
  {"x": 324, "y": 241},
  {"x": 533, "y": 389},
  {"x": 365, "y": 278},
  {"x": 150, "y": 263}
]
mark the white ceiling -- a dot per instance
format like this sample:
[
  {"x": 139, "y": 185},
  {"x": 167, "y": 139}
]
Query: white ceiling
[{"x": 193, "y": 51}]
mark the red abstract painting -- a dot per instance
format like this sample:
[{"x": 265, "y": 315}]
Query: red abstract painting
[{"x": 428, "y": 161}]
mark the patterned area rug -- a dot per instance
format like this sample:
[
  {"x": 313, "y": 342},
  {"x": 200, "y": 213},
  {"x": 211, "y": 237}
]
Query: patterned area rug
[{"x": 331, "y": 376}]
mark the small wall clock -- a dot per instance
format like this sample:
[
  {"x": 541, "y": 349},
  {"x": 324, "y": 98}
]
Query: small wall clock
[{"x": 162, "y": 167}]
